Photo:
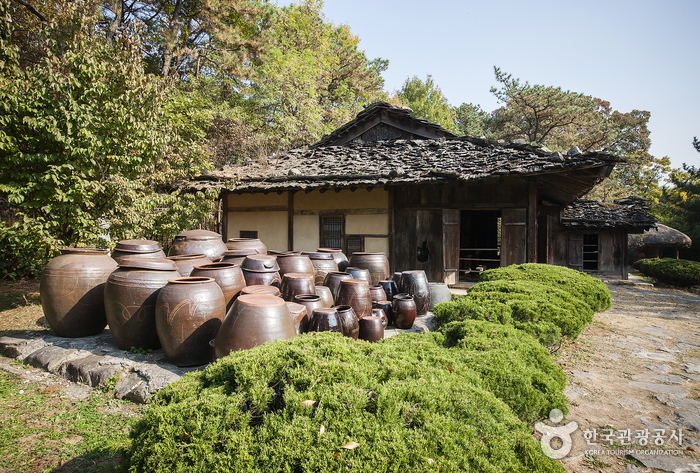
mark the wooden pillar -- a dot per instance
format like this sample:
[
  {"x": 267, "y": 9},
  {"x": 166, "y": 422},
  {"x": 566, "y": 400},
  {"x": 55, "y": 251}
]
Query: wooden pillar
[
  {"x": 224, "y": 216},
  {"x": 532, "y": 223},
  {"x": 392, "y": 254},
  {"x": 290, "y": 220}
]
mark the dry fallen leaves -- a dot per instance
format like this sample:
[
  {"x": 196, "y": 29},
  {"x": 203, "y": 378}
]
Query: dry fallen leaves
[
  {"x": 308, "y": 403},
  {"x": 350, "y": 446}
]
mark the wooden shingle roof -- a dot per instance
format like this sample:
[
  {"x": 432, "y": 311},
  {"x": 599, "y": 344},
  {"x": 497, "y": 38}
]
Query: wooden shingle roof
[{"x": 631, "y": 213}]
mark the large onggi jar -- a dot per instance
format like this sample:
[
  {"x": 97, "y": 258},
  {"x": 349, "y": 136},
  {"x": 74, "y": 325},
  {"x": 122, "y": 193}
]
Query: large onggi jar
[
  {"x": 72, "y": 291},
  {"x": 193, "y": 242}
]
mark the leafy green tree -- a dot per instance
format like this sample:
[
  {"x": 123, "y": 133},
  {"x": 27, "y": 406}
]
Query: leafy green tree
[
  {"x": 472, "y": 120},
  {"x": 85, "y": 137},
  {"x": 427, "y": 101}
]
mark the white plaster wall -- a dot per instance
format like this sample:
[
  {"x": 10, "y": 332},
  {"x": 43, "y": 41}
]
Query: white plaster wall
[
  {"x": 306, "y": 232},
  {"x": 271, "y": 227},
  {"x": 376, "y": 224},
  {"x": 377, "y": 245}
]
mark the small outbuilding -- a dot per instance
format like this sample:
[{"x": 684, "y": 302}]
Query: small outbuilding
[{"x": 659, "y": 242}]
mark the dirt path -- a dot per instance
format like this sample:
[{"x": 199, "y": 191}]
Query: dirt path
[{"x": 637, "y": 366}]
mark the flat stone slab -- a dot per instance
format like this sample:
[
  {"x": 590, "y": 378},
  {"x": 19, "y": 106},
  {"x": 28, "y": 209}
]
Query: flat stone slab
[
  {"x": 662, "y": 378},
  {"x": 660, "y": 388},
  {"x": 658, "y": 368},
  {"x": 668, "y": 463},
  {"x": 688, "y": 419},
  {"x": 15, "y": 347},
  {"x": 48, "y": 358},
  {"x": 655, "y": 356}
]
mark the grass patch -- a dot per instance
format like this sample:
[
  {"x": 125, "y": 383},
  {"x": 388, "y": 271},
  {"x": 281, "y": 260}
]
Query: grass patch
[
  {"x": 40, "y": 430},
  {"x": 409, "y": 403},
  {"x": 676, "y": 272}
]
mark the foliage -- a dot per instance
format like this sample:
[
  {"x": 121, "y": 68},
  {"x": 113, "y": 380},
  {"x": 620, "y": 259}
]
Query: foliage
[
  {"x": 85, "y": 137},
  {"x": 25, "y": 248},
  {"x": 427, "y": 101},
  {"x": 676, "y": 272},
  {"x": 513, "y": 365},
  {"x": 323, "y": 402},
  {"x": 588, "y": 289},
  {"x": 472, "y": 120},
  {"x": 547, "y": 302}
]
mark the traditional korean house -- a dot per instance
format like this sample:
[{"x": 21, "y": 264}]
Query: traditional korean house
[
  {"x": 393, "y": 183},
  {"x": 660, "y": 242}
]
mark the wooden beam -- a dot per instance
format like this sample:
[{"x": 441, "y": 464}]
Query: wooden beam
[
  {"x": 532, "y": 223},
  {"x": 391, "y": 255},
  {"x": 224, "y": 216}
]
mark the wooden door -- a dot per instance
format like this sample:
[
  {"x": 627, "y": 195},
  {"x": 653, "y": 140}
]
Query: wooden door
[
  {"x": 575, "y": 251},
  {"x": 450, "y": 245},
  {"x": 513, "y": 236}
]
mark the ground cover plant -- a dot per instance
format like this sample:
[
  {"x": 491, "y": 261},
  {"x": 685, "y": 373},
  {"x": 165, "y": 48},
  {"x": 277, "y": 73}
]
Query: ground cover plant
[
  {"x": 323, "y": 402},
  {"x": 547, "y": 302},
  {"x": 676, "y": 272}
]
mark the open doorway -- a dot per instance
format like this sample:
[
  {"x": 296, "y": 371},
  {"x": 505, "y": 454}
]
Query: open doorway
[{"x": 480, "y": 242}]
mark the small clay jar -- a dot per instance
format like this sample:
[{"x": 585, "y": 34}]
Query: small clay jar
[
  {"x": 246, "y": 244},
  {"x": 295, "y": 263},
  {"x": 371, "y": 329},
  {"x": 386, "y": 307},
  {"x": 262, "y": 289},
  {"x": 296, "y": 283},
  {"x": 349, "y": 322},
  {"x": 325, "y": 320},
  {"x": 359, "y": 273},
  {"x": 236, "y": 256},
  {"x": 228, "y": 276},
  {"x": 332, "y": 281},
  {"x": 439, "y": 293},
  {"x": 382, "y": 315},
  {"x": 326, "y": 295},
  {"x": 323, "y": 264},
  {"x": 262, "y": 278},
  {"x": 377, "y": 294},
  {"x": 376, "y": 263},
  {"x": 404, "y": 311},
  {"x": 186, "y": 263},
  {"x": 299, "y": 316},
  {"x": 338, "y": 256},
  {"x": 390, "y": 288},
  {"x": 310, "y": 301},
  {"x": 397, "y": 280},
  {"x": 355, "y": 293},
  {"x": 189, "y": 312}
]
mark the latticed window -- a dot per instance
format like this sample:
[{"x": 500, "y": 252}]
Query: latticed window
[
  {"x": 356, "y": 244},
  {"x": 248, "y": 234},
  {"x": 590, "y": 251},
  {"x": 332, "y": 231}
]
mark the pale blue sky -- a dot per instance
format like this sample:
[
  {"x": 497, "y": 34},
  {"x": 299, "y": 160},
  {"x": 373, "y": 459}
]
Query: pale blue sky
[{"x": 635, "y": 54}]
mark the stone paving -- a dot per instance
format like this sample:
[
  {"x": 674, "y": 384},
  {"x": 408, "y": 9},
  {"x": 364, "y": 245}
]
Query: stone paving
[{"x": 94, "y": 360}]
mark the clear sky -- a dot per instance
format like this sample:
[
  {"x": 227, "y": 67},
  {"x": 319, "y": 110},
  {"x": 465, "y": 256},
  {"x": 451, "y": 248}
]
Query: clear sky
[{"x": 636, "y": 54}]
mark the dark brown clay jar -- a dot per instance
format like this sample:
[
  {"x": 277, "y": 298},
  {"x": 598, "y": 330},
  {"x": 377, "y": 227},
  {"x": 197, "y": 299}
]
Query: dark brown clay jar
[
  {"x": 404, "y": 311},
  {"x": 262, "y": 289},
  {"x": 72, "y": 291},
  {"x": 338, "y": 256},
  {"x": 382, "y": 315},
  {"x": 397, "y": 279},
  {"x": 246, "y": 244},
  {"x": 185, "y": 263},
  {"x": 386, "y": 307},
  {"x": 371, "y": 329},
  {"x": 262, "y": 278},
  {"x": 189, "y": 312},
  {"x": 296, "y": 283},
  {"x": 261, "y": 263},
  {"x": 355, "y": 293},
  {"x": 390, "y": 288},
  {"x": 323, "y": 264},
  {"x": 137, "y": 248},
  {"x": 236, "y": 256},
  {"x": 131, "y": 293},
  {"x": 333, "y": 279},
  {"x": 228, "y": 276},
  {"x": 326, "y": 295},
  {"x": 252, "y": 320},
  {"x": 377, "y": 294},
  {"x": 439, "y": 293},
  {"x": 293, "y": 263},
  {"x": 196, "y": 242},
  {"x": 359, "y": 273},
  {"x": 349, "y": 322},
  {"x": 325, "y": 320},
  {"x": 299, "y": 316},
  {"x": 310, "y": 301},
  {"x": 415, "y": 283},
  {"x": 376, "y": 263}
]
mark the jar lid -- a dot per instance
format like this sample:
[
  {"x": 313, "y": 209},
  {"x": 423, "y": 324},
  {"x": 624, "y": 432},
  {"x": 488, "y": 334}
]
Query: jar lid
[
  {"x": 84, "y": 251},
  {"x": 145, "y": 246},
  {"x": 317, "y": 255},
  {"x": 154, "y": 264},
  {"x": 198, "y": 235},
  {"x": 260, "y": 263}
]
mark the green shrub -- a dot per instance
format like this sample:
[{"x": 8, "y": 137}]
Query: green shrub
[
  {"x": 676, "y": 272},
  {"x": 512, "y": 365},
  {"x": 580, "y": 285},
  {"x": 25, "y": 248},
  {"x": 409, "y": 403}
]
